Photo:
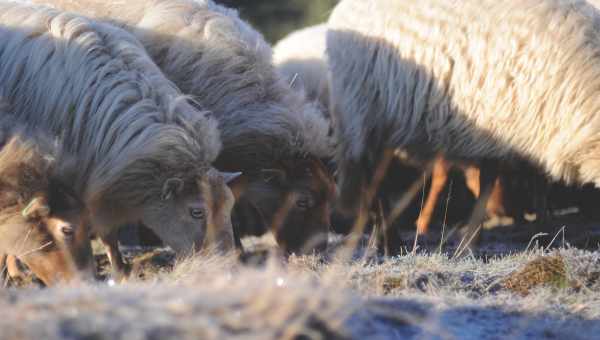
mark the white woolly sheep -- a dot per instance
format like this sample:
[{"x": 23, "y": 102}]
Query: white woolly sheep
[
  {"x": 269, "y": 132},
  {"x": 481, "y": 80},
  {"x": 300, "y": 57},
  {"x": 144, "y": 152}
]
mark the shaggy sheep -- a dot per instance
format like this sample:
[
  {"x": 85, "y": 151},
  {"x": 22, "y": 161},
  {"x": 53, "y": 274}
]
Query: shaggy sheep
[
  {"x": 481, "y": 80},
  {"x": 144, "y": 152},
  {"x": 269, "y": 132},
  {"x": 42, "y": 222},
  {"x": 300, "y": 57}
]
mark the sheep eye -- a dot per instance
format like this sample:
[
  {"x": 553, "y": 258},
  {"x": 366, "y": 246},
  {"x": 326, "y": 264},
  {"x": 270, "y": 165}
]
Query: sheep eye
[
  {"x": 68, "y": 232},
  {"x": 197, "y": 213}
]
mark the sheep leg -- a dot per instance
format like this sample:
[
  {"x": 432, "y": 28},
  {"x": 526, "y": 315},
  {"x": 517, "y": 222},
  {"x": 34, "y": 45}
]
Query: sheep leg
[
  {"x": 439, "y": 178},
  {"x": 488, "y": 176},
  {"x": 9, "y": 268},
  {"x": 516, "y": 206},
  {"x": 237, "y": 224},
  {"x": 3, "y": 270},
  {"x": 513, "y": 202},
  {"x": 12, "y": 267},
  {"x": 496, "y": 203},
  {"x": 238, "y": 240},
  {"x": 246, "y": 220},
  {"x": 120, "y": 269},
  {"x": 472, "y": 174},
  {"x": 388, "y": 238}
]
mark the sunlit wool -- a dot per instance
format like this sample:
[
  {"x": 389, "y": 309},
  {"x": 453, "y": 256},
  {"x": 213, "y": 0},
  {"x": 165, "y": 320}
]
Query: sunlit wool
[
  {"x": 226, "y": 66},
  {"x": 131, "y": 130},
  {"x": 300, "y": 57},
  {"x": 474, "y": 79}
]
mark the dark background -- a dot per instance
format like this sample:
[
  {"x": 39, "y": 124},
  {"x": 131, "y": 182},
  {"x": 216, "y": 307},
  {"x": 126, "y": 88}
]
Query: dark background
[{"x": 276, "y": 18}]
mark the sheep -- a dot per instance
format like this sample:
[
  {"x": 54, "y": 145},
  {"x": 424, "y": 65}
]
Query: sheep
[
  {"x": 300, "y": 57},
  {"x": 42, "y": 221},
  {"x": 270, "y": 133},
  {"x": 481, "y": 80},
  {"x": 144, "y": 150}
]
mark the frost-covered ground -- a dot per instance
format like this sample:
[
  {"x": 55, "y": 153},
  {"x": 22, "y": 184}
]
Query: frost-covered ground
[{"x": 533, "y": 294}]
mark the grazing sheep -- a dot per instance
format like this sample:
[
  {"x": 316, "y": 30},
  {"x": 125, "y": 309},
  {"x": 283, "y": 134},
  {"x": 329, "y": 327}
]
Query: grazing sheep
[
  {"x": 483, "y": 80},
  {"x": 144, "y": 151},
  {"x": 300, "y": 57},
  {"x": 42, "y": 221},
  {"x": 269, "y": 132}
]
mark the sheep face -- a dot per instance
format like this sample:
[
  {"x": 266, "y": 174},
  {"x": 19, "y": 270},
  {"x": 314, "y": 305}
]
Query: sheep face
[
  {"x": 188, "y": 215},
  {"x": 56, "y": 227},
  {"x": 42, "y": 222},
  {"x": 179, "y": 216},
  {"x": 294, "y": 200}
]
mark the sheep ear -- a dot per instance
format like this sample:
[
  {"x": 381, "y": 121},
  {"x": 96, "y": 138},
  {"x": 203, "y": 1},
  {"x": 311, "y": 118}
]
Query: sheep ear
[
  {"x": 273, "y": 175},
  {"x": 229, "y": 177},
  {"x": 171, "y": 187},
  {"x": 36, "y": 208}
]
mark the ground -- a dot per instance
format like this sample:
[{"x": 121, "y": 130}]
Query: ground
[{"x": 523, "y": 282}]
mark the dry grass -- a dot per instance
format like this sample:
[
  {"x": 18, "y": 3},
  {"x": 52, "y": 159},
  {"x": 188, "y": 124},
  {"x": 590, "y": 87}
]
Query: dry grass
[
  {"x": 208, "y": 298},
  {"x": 543, "y": 271},
  {"x": 514, "y": 287},
  {"x": 533, "y": 294}
]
